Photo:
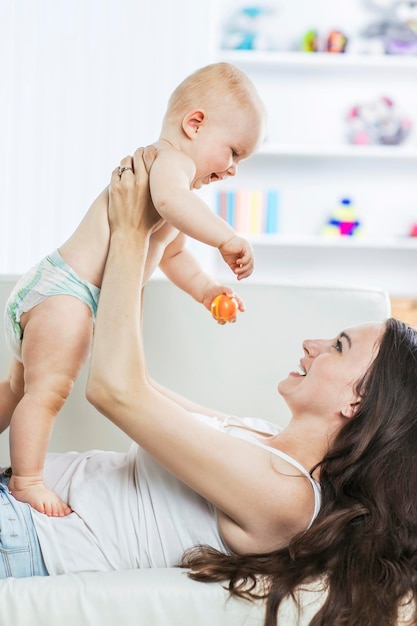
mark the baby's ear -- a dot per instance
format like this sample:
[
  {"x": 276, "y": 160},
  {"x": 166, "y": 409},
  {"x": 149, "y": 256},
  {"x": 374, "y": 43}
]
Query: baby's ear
[{"x": 192, "y": 122}]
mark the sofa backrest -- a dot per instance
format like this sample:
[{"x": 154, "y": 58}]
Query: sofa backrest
[{"x": 235, "y": 367}]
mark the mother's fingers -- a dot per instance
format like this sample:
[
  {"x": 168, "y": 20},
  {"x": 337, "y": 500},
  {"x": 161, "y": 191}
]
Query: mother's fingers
[
  {"x": 122, "y": 194},
  {"x": 126, "y": 165},
  {"x": 142, "y": 158},
  {"x": 147, "y": 155},
  {"x": 130, "y": 202}
]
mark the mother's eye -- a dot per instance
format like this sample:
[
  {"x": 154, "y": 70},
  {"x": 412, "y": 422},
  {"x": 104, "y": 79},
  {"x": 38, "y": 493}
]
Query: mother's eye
[{"x": 338, "y": 345}]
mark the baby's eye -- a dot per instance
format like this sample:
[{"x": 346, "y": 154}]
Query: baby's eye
[
  {"x": 338, "y": 345},
  {"x": 234, "y": 153}
]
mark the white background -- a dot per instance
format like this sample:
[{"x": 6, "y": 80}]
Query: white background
[{"x": 84, "y": 82}]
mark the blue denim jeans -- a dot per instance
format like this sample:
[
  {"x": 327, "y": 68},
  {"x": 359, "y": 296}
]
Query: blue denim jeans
[{"x": 20, "y": 553}]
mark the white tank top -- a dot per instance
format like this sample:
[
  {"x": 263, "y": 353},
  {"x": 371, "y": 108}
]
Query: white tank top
[
  {"x": 129, "y": 512},
  {"x": 245, "y": 428}
]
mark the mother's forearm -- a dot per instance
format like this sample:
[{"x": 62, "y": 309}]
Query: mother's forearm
[
  {"x": 117, "y": 361},
  {"x": 186, "y": 403}
]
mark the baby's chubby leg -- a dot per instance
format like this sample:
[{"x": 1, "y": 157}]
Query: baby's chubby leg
[
  {"x": 11, "y": 391},
  {"x": 56, "y": 342}
]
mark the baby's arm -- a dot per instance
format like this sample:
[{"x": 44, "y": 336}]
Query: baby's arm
[
  {"x": 170, "y": 178},
  {"x": 182, "y": 268}
]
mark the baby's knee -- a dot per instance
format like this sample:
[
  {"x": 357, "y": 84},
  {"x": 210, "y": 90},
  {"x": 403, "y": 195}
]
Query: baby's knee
[
  {"x": 52, "y": 394},
  {"x": 60, "y": 392}
]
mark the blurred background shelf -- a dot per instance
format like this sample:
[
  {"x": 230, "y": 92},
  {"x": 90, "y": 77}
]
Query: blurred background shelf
[
  {"x": 308, "y": 156},
  {"x": 408, "y": 152},
  {"x": 348, "y": 243},
  {"x": 319, "y": 60},
  {"x": 345, "y": 261}
]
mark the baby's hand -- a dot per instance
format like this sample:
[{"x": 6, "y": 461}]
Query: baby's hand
[
  {"x": 238, "y": 254},
  {"x": 216, "y": 289}
]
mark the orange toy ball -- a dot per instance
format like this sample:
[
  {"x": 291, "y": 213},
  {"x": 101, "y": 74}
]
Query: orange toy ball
[{"x": 224, "y": 309}]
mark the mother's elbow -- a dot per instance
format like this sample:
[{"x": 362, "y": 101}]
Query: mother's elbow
[
  {"x": 102, "y": 395},
  {"x": 95, "y": 392}
]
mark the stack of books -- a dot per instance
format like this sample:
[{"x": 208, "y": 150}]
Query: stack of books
[{"x": 250, "y": 212}]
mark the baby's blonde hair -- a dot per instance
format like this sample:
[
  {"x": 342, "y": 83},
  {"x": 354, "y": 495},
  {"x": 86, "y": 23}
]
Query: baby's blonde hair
[{"x": 213, "y": 85}]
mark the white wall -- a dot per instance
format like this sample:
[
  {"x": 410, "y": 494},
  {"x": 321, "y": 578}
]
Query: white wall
[{"x": 84, "y": 82}]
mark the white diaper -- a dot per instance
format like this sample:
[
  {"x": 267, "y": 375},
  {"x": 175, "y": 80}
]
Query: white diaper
[{"x": 51, "y": 277}]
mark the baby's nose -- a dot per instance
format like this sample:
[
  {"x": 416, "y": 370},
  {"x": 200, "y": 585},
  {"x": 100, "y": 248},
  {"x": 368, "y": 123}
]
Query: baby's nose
[{"x": 232, "y": 170}]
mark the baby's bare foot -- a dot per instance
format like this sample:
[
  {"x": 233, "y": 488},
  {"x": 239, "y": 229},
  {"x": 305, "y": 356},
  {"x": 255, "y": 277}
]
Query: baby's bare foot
[{"x": 33, "y": 491}]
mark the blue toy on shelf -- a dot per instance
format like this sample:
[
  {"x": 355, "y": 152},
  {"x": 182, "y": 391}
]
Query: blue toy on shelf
[{"x": 247, "y": 29}]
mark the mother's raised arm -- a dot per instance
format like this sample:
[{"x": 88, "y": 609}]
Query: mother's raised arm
[{"x": 117, "y": 356}]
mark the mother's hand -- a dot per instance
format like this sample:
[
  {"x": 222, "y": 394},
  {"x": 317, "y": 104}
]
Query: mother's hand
[{"x": 130, "y": 205}]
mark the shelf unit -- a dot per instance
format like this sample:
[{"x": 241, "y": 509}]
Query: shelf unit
[
  {"x": 347, "y": 243},
  {"x": 388, "y": 264},
  {"x": 338, "y": 151},
  {"x": 318, "y": 60},
  {"x": 306, "y": 156}
]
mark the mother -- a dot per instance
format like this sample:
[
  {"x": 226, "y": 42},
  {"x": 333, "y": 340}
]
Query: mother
[{"x": 243, "y": 487}]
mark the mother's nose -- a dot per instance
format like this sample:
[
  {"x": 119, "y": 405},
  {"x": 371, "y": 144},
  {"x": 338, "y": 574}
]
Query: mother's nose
[{"x": 311, "y": 347}]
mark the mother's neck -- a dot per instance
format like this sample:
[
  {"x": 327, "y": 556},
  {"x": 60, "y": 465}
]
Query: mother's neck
[{"x": 308, "y": 439}]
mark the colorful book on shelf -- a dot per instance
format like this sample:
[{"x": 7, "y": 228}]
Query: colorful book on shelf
[
  {"x": 271, "y": 217},
  {"x": 250, "y": 212}
]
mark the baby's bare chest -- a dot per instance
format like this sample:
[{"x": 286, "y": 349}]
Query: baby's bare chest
[{"x": 157, "y": 246}]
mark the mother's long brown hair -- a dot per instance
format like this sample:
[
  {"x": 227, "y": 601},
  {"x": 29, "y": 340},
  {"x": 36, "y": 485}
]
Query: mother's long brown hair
[{"x": 363, "y": 544}]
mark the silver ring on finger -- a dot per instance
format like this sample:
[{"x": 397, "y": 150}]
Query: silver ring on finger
[{"x": 123, "y": 168}]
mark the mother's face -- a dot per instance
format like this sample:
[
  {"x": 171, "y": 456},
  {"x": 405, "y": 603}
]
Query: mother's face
[{"x": 325, "y": 380}]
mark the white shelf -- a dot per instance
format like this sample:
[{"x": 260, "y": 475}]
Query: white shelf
[
  {"x": 312, "y": 91},
  {"x": 318, "y": 59},
  {"x": 408, "y": 152},
  {"x": 317, "y": 241},
  {"x": 388, "y": 264}
]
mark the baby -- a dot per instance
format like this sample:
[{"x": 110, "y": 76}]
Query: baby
[{"x": 215, "y": 118}]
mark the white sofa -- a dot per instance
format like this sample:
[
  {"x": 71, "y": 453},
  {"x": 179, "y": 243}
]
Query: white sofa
[{"x": 234, "y": 367}]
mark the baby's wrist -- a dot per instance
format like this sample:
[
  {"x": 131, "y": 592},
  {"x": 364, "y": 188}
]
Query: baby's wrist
[{"x": 226, "y": 242}]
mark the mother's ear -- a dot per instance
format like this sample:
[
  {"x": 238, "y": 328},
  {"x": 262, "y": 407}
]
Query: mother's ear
[
  {"x": 350, "y": 410},
  {"x": 192, "y": 122}
]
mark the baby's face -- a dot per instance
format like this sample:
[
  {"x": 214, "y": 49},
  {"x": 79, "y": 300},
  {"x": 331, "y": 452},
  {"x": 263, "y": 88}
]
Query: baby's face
[{"x": 223, "y": 140}]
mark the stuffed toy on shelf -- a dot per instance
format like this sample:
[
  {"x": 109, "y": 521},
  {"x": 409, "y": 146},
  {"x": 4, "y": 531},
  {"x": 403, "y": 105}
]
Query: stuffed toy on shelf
[
  {"x": 393, "y": 31},
  {"x": 377, "y": 122}
]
